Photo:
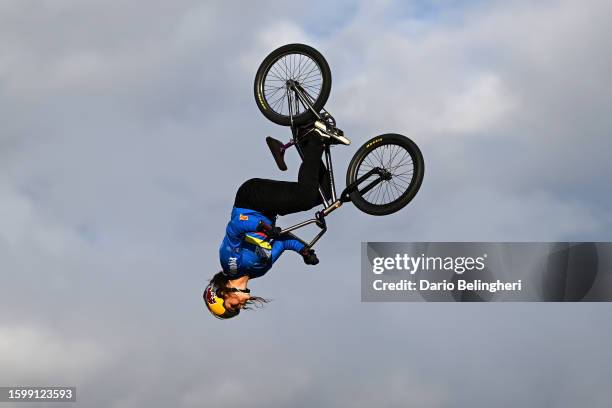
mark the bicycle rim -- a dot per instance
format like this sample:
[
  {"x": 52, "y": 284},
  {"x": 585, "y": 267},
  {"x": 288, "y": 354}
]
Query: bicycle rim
[
  {"x": 395, "y": 159},
  {"x": 294, "y": 66}
]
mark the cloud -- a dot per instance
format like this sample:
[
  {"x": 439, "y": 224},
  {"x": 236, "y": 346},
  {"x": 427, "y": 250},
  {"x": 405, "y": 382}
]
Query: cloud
[
  {"x": 32, "y": 355},
  {"x": 25, "y": 226},
  {"x": 126, "y": 131},
  {"x": 482, "y": 105}
]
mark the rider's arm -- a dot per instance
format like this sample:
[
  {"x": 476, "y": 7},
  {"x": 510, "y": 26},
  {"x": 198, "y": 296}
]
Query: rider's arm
[{"x": 286, "y": 242}]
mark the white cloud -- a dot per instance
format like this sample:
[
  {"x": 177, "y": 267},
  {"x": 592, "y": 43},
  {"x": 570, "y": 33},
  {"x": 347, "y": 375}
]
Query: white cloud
[
  {"x": 22, "y": 225},
  {"x": 33, "y": 355},
  {"x": 223, "y": 390},
  {"x": 270, "y": 38},
  {"x": 480, "y": 107},
  {"x": 139, "y": 123}
]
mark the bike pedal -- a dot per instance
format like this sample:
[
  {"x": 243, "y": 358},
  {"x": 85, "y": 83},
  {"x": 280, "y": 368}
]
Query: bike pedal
[
  {"x": 339, "y": 138},
  {"x": 321, "y": 134},
  {"x": 336, "y": 136}
]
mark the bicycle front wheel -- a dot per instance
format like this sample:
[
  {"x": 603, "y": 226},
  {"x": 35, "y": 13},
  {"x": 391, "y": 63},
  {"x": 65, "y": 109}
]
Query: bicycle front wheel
[
  {"x": 301, "y": 64},
  {"x": 401, "y": 159}
]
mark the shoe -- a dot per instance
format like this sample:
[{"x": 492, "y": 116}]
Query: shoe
[
  {"x": 335, "y": 135},
  {"x": 278, "y": 152}
]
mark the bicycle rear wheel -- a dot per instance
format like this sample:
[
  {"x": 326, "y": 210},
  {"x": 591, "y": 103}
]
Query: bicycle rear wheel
[
  {"x": 401, "y": 158},
  {"x": 296, "y": 62}
]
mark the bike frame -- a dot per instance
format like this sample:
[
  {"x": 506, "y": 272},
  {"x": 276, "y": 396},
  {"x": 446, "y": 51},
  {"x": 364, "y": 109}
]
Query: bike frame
[{"x": 335, "y": 202}]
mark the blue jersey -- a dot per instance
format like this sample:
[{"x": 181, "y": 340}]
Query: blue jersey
[{"x": 244, "y": 251}]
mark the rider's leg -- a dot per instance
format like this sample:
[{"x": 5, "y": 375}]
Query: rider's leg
[
  {"x": 310, "y": 170},
  {"x": 324, "y": 182},
  {"x": 273, "y": 197},
  {"x": 276, "y": 147},
  {"x": 304, "y": 136},
  {"x": 250, "y": 195}
]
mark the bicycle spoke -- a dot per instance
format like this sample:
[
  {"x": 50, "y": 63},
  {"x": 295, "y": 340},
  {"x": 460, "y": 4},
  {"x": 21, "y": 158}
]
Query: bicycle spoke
[
  {"x": 363, "y": 171},
  {"x": 381, "y": 194},
  {"x": 386, "y": 190},
  {"x": 403, "y": 176},
  {"x": 368, "y": 195},
  {"x": 274, "y": 93},
  {"x": 395, "y": 168},
  {"x": 369, "y": 162},
  {"x": 278, "y": 76},
  {"x": 395, "y": 190},
  {"x": 400, "y": 192},
  {"x": 280, "y": 98},
  {"x": 300, "y": 68},
  {"x": 315, "y": 82},
  {"x": 390, "y": 191},
  {"x": 280, "y": 103},
  {"x": 377, "y": 194},
  {"x": 376, "y": 155},
  {"x": 395, "y": 159},
  {"x": 404, "y": 155},
  {"x": 311, "y": 87},
  {"x": 283, "y": 67},
  {"x": 271, "y": 87},
  {"x": 311, "y": 73},
  {"x": 275, "y": 75},
  {"x": 405, "y": 172},
  {"x": 304, "y": 71},
  {"x": 395, "y": 151},
  {"x": 403, "y": 179}
]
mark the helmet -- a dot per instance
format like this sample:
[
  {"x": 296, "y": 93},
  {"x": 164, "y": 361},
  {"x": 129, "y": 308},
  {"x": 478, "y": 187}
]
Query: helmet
[{"x": 215, "y": 305}]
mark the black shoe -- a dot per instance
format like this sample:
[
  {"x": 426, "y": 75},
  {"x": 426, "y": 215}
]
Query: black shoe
[{"x": 278, "y": 152}]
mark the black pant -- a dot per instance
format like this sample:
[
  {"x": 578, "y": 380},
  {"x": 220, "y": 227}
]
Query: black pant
[{"x": 273, "y": 197}]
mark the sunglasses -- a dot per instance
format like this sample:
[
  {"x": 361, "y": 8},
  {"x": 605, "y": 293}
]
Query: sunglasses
[{"x": 246, "y": 290}]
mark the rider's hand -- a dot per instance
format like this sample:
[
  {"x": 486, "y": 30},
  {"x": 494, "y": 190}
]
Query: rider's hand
[
  {"x": 270, "y": 231},
  {"x": 310, "y": 258},
  {"x": 273, "y": 233}
]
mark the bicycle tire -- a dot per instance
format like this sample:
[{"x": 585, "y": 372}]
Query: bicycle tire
[
  {"x": 363, "y": 201},
  {"x": 259, "y": 86}
]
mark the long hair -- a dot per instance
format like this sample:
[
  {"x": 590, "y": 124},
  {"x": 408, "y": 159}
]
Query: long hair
[{"x": 221, "y": 280}]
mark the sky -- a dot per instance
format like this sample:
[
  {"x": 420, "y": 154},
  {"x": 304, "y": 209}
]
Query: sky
[{"x": 127, "y": 128}]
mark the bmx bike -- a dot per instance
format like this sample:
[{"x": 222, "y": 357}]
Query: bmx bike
[{"x": 291, "y": 88}]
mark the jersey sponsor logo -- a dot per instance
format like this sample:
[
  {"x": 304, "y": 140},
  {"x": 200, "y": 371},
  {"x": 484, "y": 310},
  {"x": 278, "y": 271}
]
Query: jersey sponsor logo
[
  {"x": 233, "y": 263},
  {"x": 243, "y": 217},
  {"x": 209, "y": 295}
]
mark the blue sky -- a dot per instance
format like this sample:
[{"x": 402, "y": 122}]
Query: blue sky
[{"x": 126, "y": 131}]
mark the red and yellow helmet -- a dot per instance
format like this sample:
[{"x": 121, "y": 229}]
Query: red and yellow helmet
[{"x": 214, "y": 303}]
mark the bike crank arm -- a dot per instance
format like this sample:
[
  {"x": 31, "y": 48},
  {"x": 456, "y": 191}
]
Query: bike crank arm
[{"x": 344, "y": 197}]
